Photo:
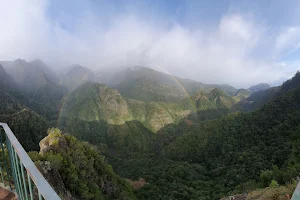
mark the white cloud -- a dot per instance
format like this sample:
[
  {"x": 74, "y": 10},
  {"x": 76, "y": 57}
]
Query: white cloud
[
  {"x": 223, "y": 54},
  {"x": 288, "y": 40}
]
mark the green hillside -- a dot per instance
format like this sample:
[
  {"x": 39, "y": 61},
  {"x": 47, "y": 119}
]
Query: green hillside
[
  {"x": 94, "y": 102},
  {"x": 79, "y": 168},
  {"x": 28, "y": 127},
  {"x": 258, "y": 99},
  {"x": 29, "y": 75},
  {"x": 150, "y": 85},
  {"x": 237, "y": 153},
  {"x": 76, "y": 76},
  {"x": 182, "y": 147}
]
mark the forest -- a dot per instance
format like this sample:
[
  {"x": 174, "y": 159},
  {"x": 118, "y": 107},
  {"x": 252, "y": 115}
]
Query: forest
[{"x": 99, "y": 141}]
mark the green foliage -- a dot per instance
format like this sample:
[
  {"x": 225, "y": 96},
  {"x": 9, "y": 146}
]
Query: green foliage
[
  {"x": 174, "y": 142},
  {"x": 266, "y": 177},
  {"x": 258, "y": 99},
  {"x": 166, "y": 179},
  {"x": 83, "y": 170},
  {"x": 239, "y": 152},
  {"x": 28, "y": 127},
  {"x": 274, "y": 184},
  {"x": 77, "y": 76}
]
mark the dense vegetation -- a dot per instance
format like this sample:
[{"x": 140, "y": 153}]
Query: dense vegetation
[
  {"x": 28, "y": 126},
  {"x": 82, "y": 169},
  {"x": 196, "y": 147},
  {"x": 236, "y": 154}
]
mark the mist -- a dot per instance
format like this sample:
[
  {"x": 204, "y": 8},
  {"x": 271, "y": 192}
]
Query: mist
[{"x": 236, "y": 49}]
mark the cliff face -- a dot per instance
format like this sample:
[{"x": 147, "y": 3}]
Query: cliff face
[
  {"x": 53, "y": 176},
  {"x": 95, "y": 102}
]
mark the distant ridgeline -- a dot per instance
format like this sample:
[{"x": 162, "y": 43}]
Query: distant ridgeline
[{"x": 184, "y": 138}]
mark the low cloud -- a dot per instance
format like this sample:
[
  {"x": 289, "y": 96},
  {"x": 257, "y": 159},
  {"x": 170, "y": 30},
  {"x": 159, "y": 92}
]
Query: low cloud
[{"x": 226, "y": 53}]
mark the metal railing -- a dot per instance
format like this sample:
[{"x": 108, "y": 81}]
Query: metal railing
[
  {"x": 17, "y": 171},
  {"x": 296, "y": 194}
]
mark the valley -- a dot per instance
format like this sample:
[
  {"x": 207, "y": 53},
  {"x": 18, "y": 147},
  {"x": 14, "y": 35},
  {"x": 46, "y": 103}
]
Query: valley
[{"x": 184, "y": 139}]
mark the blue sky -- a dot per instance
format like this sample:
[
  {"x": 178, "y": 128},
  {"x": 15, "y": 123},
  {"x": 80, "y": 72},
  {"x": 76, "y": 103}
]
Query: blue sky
[{"x": 222, "y": 41}]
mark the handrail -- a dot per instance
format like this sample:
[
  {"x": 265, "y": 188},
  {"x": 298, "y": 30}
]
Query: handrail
[
  {"x": 44, "y": 188},
  {"x": 296, "y": 194}
]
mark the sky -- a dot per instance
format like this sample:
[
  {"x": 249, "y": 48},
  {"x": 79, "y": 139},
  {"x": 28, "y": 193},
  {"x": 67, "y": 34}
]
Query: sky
[{"x": 225, "y": 42}]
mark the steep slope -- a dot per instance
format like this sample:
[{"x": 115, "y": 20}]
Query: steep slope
[
  {"x": 212, "y": 105},
  {"x": 232, "y": 155},
  {"x": 258, "y": 99},
  {"x": 76, "y": 76},
  {"x": 220, "y": 99},
  {"x": 242, "y": 94},
  {"x": 146, "y": 89},
  {"x": 11, "y": 101},
  {"x": 28, "y": 127},
  {"x": 6, "y": 81},
  {"x": 125, "y": 127},
  {"x": 266, "y": 138},
  {"x": 29, "y": 75},
  {"x": 127, "y": 82},
  {"x": 79, "y": 168},
  {"x": 46, "y": 100},
  {"x": 259, "y": 87},
  {"x": 93, "y": 102}
]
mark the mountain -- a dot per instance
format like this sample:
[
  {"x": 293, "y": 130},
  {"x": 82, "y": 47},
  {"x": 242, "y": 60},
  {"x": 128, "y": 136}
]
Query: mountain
[
  {"x": 29, "y": 75},
  {"x": 11, "y": 101},
  {"x": 76, "y": 76},
  {"x": 146, "y": 89},
  {"x": 28, "y": 127},
  {"x": 46, "y": 100},
  {"x": 259, "y": 87},
  {"x": 232, "y": 155},
  {"x": 77, "y": 169},
  {"x": 242, "y": 94},
  {"x": 137, "y": 82},
  {"x": 100, "y": 115},
  {"x": 258, "y": 99},
  {"x": 94, "y": 102},
  {"x": 5, "y": 79},
  {"x": 174, "y": 138}
]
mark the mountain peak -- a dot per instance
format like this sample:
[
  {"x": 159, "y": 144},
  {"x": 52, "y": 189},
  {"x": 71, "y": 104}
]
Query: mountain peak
[
  {"x": 2, "y": 71},
  {"x": 76, "y": 76},
  {"x": 258, "y": 87},
  {"x": 20, "y": 61},
  {"x": 76, "y": 66},
  {"x": 217, "y": 91},
  {"x": 38, "y": 62}
]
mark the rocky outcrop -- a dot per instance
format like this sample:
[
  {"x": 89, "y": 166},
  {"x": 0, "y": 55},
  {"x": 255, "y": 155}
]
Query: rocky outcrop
[
  {"x": 54, "y": 178},
  {"x": 236, "y": 197},
  {"x": 77, "y": 169}
]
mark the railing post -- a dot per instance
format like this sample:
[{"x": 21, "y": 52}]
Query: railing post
[
  {"x": 13, "y": 166},
  {"x": 19, "y": 160},
  {"x": 30, "y": 187},
  {"x": 24, "y": 181},
  {"x": 6, "y": 168}
]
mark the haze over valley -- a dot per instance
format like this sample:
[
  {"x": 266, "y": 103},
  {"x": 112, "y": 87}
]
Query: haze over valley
[{"x": 155, "y": 99}]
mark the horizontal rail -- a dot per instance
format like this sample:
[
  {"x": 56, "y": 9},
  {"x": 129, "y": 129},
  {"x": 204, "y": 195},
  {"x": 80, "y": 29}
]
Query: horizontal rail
[
  {"x": 296, "y": 194},
  {"x": 44, "y": 188}
]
